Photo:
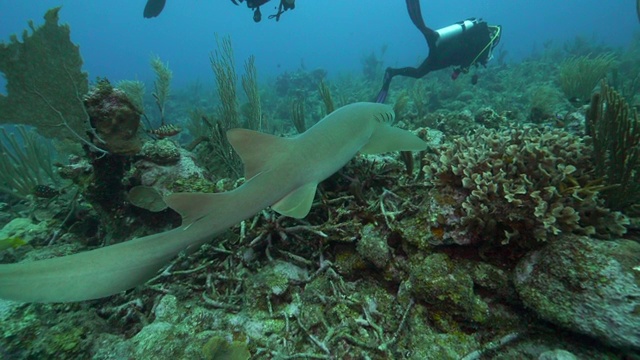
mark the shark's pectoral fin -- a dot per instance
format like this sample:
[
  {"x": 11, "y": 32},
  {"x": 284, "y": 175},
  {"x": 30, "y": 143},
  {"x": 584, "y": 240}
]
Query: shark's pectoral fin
[
  {"x": 298, "y": 202},
  {"x": 259, "y": 152},
  {"x": 388, "y": 138},
  {"x": 193, "y": 206}
]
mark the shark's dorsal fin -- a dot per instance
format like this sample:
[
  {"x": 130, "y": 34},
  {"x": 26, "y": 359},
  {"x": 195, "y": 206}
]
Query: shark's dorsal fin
[
  {"x": 388, "y": 138},
  {"x": 298, "y": 202},
  {"x": 258, "y": 151}
]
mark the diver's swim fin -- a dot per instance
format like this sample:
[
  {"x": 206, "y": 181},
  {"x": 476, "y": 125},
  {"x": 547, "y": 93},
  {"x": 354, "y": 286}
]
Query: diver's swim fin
[
  {"x": 413, "y": 6},
  {"x": 153, "y": 8}
]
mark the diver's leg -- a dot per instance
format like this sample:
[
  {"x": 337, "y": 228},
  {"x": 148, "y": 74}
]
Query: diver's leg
[
  {"x": 413, "y": 7},
  {"x": 412, "y": 72},
  {"x": 386, "y": 81}
]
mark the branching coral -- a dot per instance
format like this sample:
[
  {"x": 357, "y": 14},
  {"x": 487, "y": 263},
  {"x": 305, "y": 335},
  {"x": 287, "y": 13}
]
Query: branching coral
[{"x": 515, "y": 184}]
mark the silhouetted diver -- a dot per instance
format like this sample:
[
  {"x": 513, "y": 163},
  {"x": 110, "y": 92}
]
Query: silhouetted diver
[{"x": 463, "y": 44}]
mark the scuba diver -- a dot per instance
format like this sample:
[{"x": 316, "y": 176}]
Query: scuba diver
[
  {"x": 463, "y": 44},
  {"x": 155, "y": 7},
  {"x": 255, "y": 6}
]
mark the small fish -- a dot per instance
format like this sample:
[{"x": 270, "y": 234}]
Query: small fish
[
  {"x": 11, "y": 242},
  {"x": 45, "y": 191},
  {"x": 576, "y": 101},
  {"x": 165, "y": 131}
]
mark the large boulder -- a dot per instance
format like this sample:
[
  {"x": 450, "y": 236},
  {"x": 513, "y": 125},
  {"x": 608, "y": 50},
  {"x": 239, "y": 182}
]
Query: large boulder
[{"x": 588, "y": 286}]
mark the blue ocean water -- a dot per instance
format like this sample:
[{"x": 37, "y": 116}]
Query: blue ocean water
[{"x": 117, "y": 42}]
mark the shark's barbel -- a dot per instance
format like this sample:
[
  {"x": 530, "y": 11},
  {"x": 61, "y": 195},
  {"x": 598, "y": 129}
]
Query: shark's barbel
[{"x": 281, "y": 172}]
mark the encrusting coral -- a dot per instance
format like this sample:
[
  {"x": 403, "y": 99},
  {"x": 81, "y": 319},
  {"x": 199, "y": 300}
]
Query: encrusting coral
[
  {"x": 115, "y": 119},
  {"x": 525, "y": 184}
]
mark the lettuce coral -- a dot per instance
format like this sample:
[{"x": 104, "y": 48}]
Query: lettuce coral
[{"x": 524, "y": 183}]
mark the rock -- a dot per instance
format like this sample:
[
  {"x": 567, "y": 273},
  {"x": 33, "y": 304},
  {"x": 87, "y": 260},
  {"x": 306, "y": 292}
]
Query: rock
[
  {"x": 161, "y": 152},
  {"x": 275, "y": 278},
  {"x": 167, "y": 309},
  {"x": 585, "y": 285},
  {"x": 557, "y": 354},
  {"x": 373, "y": 246},
  {"x": 25, "y": 229},
  {"x": 439, "y": 281},
  {"x": 163, "y": 177}
]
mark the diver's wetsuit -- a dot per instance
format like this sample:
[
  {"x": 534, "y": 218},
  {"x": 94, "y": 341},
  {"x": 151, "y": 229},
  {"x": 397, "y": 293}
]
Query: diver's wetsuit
[{"x": 469, "y": 48}]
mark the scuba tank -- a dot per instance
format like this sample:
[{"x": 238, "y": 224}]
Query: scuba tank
[{"x": 453, "y": 31}]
